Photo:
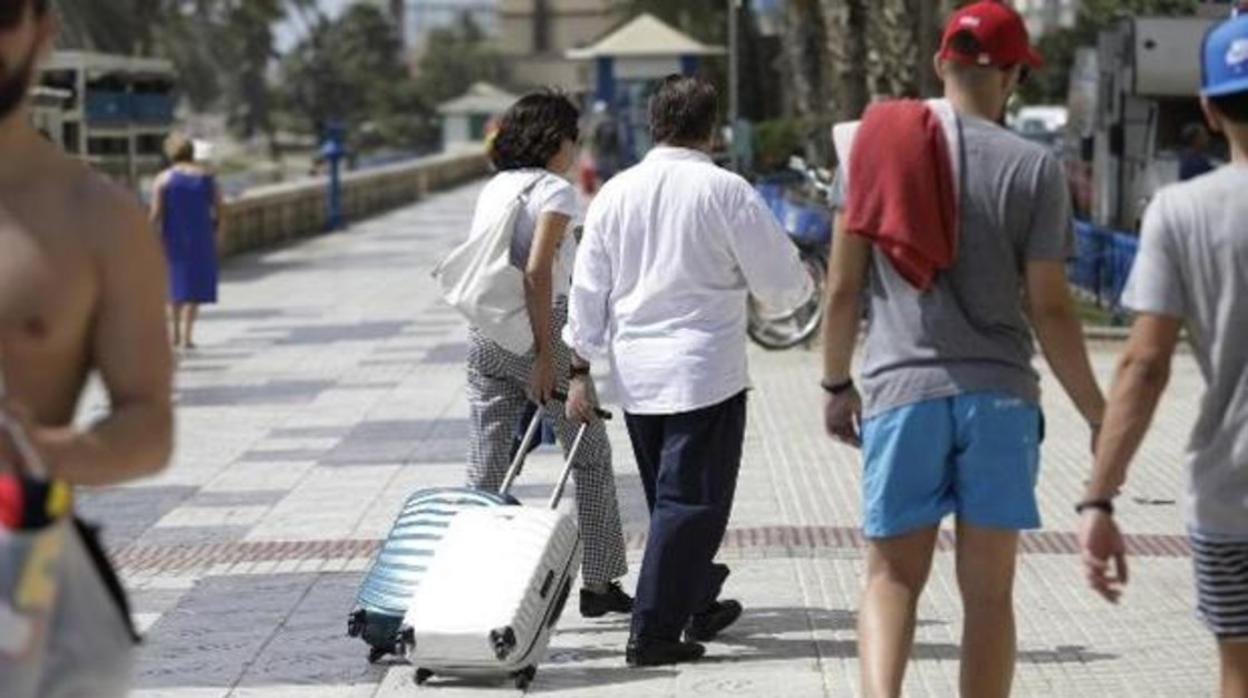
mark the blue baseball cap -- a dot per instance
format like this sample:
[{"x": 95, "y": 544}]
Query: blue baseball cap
[{"x": 1226, "y": 58}]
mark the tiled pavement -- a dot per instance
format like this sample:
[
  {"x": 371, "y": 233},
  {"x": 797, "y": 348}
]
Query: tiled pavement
[{"x": 329, "y": 386}]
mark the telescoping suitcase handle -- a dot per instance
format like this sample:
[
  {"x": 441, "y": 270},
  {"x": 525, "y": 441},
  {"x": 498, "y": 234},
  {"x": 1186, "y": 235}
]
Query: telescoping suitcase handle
[{"x": 517, "y": 463}]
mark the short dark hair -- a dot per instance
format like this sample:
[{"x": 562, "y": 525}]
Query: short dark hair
[
  {"x": 12, "y": 11},
  {"x": 533, "y": 130},
  {"x": 1233, "y": 107},
  {"x": 683, "y": 111},
  {"x": 1192, "y": 134}
]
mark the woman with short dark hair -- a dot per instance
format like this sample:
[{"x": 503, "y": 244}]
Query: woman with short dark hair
[
  {"x": 186, "y": 208},
  {"x": 535, "y": 144}
]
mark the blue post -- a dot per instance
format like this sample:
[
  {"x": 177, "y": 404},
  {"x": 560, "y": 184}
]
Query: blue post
[{"x": 333, "y": 151}]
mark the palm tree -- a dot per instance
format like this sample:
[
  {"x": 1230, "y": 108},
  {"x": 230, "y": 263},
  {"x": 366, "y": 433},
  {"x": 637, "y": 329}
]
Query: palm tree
[{"x": 847, "y": 22}]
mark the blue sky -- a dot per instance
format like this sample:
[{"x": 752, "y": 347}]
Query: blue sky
[{"x": 289, "y": 32}]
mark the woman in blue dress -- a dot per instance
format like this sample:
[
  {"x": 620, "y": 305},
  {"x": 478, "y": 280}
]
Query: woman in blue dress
[{"x": 186, "y": 208}]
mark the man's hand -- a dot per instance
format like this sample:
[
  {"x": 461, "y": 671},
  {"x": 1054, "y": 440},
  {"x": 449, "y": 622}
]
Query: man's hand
[
  {"x": 582, "y": 400},
  {"x": 1101, "y": 547},
  {"x": 842, "y": 416},
  {"x": 542, "y": 380}
]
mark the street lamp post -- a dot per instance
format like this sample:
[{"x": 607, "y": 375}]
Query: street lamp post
[{"x": 734, "y": 78}]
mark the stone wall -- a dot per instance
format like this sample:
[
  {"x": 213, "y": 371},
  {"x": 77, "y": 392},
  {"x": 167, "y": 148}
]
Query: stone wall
[{"x": 274, "y": 214}]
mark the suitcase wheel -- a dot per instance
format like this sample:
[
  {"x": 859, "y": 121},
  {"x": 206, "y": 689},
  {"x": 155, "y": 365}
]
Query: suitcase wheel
[
  {"x": 525, "y": 676},
  {"x": 504, "y": 642},
  {"x": 423, "y": 675},
  {"x": 375, "y": 654},
  {"x": 356, "y": 623}
]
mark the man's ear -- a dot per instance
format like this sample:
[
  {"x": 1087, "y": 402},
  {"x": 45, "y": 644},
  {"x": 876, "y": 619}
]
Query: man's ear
[
  {"x": 1212, "y": 115},
  {"x": 939, "y": 66}
]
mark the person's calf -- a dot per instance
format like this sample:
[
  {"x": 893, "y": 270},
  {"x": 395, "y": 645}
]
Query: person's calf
[
  {"x": 1234, "y": 673},
  {"x": 988, "y": 648},
  {"x": 897, "y": 570},
  {"x": 986, "y": 559}
]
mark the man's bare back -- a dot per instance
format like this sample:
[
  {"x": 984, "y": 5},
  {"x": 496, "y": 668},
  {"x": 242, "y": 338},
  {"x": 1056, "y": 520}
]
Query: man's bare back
[{"x": 86, "y": 293}]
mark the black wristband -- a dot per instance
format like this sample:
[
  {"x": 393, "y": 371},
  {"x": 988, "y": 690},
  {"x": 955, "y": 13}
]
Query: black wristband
[
  {"x": 1104, "y": 505},
  {"x": 838, "y": 388},
  {"x": 575, "y": 371}
]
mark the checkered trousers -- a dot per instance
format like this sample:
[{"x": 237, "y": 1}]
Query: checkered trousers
[{"x": 497, "y": 384}]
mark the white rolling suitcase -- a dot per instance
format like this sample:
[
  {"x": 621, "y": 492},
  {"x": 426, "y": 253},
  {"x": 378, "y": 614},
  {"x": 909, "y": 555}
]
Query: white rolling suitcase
[{"x": 495, "y": 589}]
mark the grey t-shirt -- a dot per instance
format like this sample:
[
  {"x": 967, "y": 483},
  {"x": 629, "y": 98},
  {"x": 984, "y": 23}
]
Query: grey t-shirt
[
  {"x": 1193, "y": 264},
  {"x": 969, "y": 332}
]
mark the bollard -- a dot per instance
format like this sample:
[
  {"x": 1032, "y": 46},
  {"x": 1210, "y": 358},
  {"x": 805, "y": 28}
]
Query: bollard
[{"x": 333, "y": 150}]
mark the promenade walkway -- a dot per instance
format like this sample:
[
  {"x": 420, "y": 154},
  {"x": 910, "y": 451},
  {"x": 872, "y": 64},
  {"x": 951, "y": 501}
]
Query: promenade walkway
[{"x": 329, "y": 385}]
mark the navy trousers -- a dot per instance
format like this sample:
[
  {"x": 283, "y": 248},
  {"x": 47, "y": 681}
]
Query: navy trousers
[{"x": 688, "y": 463}]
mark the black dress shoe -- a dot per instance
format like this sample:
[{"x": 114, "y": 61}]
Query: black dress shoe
[
  {"x": 661, "y": 652},
  {"x": 705, "y": 625},
  {"x": 598, "y": 604}
]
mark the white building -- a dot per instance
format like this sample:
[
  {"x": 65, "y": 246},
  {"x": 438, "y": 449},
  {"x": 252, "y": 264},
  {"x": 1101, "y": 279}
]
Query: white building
[
  {"x": 116, "y": 111},
  {"x": 1046, "y": 15},
  {"x": 466, "y": 118}
]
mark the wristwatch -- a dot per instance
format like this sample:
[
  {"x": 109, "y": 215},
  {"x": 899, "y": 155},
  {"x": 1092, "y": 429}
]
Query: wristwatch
[
  {"x": 838, "y": 388},
  {"x": 1105, "y": 505},
  {"x": 578, "y": 371}
]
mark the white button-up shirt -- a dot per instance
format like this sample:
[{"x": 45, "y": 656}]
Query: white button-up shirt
[{"x": 672, "y": 249}]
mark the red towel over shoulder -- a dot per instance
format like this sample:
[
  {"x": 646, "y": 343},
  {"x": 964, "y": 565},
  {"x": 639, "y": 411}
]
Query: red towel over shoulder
[{"x": 902, "y": 195}]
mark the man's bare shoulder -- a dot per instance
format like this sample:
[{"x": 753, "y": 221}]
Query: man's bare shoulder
[{"x": 115, "y": 213}]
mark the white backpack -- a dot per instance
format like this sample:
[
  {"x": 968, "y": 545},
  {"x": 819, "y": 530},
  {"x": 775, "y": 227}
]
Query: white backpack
[{"x": 478, "y": 279}]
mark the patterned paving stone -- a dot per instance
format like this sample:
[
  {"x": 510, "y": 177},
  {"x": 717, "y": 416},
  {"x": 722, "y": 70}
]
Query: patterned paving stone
[
  {"x": 319, "y": 335},
  {"x": 312, "y": 432},
  {"x": 271, "y": 393},
  {"x": 214, "y": 314},
  {"x": 179, "y": 536},
  {"x": 401, "y": 441},
  {"x": 281, "y": 454},
  {"x": 217, "y": 629},
  {"x": 311, "y": 646},
  {"x": 126, "y": 512},
  {"x": 454, "y": 354}
]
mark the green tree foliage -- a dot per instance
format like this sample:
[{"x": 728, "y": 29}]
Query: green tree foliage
[
  {"x": 351, "y": 70},
  {"x": 1050, "y": 85},
  {"x": 221, "y": 49},
  {"x": 456, "y": 58}
]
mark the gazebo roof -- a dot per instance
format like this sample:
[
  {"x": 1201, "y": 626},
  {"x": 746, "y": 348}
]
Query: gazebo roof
[
  {"x": 645, "y": 36},
  {"x": 481, "y": 98}
]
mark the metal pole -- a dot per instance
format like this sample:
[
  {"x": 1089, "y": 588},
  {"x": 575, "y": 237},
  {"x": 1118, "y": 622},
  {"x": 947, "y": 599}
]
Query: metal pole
[{"x": 734, "y": 81}]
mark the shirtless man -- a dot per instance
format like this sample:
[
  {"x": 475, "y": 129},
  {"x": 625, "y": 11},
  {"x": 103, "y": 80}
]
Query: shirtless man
[{"x": 82, "y": 289}]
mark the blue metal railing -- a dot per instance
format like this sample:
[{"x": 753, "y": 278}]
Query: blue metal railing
[{"x": 1102, "y": 263}]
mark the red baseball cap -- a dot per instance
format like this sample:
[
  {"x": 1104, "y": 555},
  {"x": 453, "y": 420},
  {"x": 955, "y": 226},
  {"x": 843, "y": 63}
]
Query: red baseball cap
[{"x": 999, "y": 29}]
